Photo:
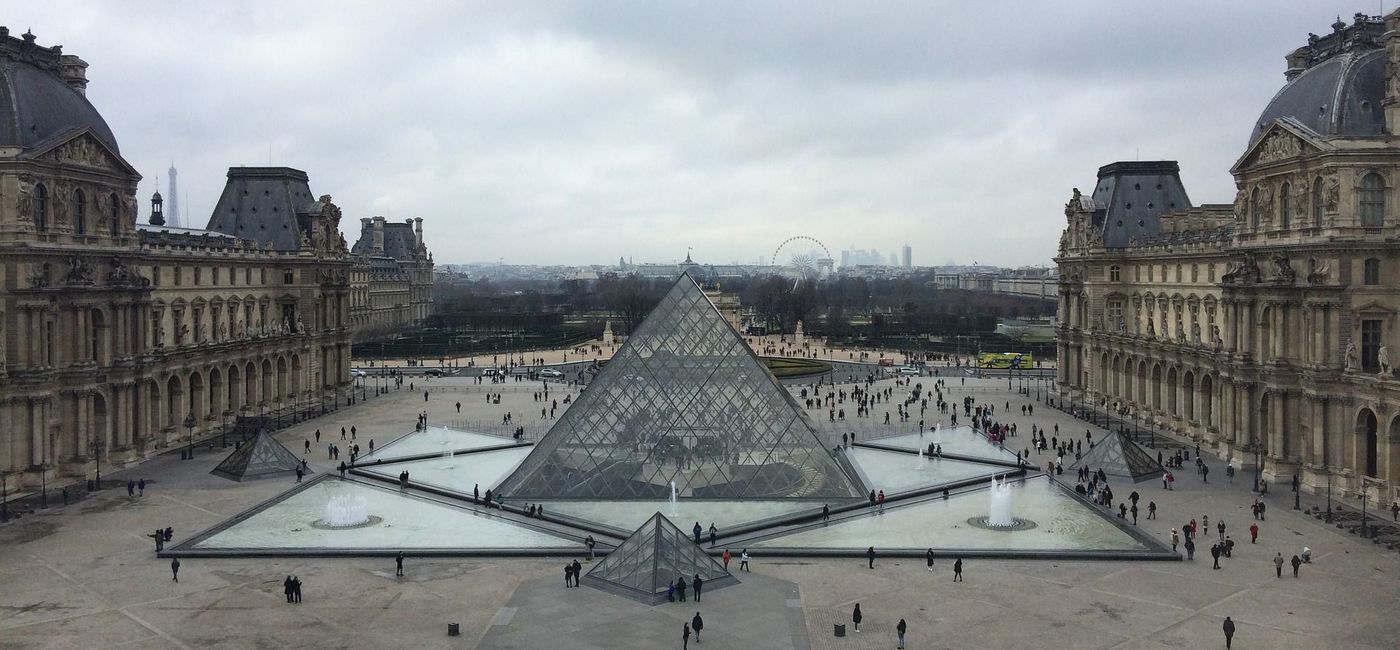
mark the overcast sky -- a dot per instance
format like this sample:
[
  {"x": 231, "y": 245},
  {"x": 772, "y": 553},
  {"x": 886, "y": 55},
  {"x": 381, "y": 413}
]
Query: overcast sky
[{"x": 576, "y": 133}]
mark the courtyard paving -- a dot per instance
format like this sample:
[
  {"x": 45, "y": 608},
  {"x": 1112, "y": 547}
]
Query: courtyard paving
[{"x": 86, "y": 576}]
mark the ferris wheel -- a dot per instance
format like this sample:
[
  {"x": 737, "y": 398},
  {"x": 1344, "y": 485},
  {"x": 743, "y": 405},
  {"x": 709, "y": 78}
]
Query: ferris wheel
[{"x": 807, "y": 258}]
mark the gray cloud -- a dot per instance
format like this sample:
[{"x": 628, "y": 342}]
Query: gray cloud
[{"x": 580, "y": 132}]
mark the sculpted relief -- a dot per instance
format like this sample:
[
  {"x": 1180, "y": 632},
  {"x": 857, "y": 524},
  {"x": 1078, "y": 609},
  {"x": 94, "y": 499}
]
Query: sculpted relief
[{"x": 1279, "y": 146}]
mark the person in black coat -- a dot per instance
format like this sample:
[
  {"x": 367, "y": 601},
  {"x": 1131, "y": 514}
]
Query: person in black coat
[
  {"x": 901, "y": 629},
  {"x": 680, "y": 587},
  {"x": 697, "y": 583},
  {"x": 1229, "y": 628},
  {"x": 856, "y": 616},
  {"x": 287, "y": 588},
  {"x": 697, "y": 624},
  {"x": 870, "y": 556},
  {"x": 929, "y": 557}
]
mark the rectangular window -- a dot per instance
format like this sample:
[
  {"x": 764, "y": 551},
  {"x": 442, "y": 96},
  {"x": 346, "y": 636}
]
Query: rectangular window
[
  {"x": 176, "y": 270},
  {"x": 1178, "y": 273},
  {"x": 1210, "y": 273},
  {"x": 248, "y": 275},
  {"x": 262, "y": 276},
  {"x": 288, "y": 277},
  {"x": 1195, "y": 272},
  {"x": 1151, "y": 274},
  {"x": 1371, "y": 271},
  {"x": 1370, "y": 343},
  {"x": 1115, "y": 316},
  {"x": 197, "y": 274},
  {"x": 1113, "y": 273},
  {"x": 155, "y": 276}
]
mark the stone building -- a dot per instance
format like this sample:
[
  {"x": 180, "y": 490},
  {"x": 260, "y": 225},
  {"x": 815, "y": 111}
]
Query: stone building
[
  {"x": 119, "y": 339},
  {"x": 1262, "y": 329},
  {"x": 391, "y": 286}
]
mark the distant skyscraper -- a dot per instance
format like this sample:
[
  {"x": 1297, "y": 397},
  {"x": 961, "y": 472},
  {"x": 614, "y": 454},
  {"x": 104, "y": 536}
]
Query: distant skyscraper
[
  {"x": 908, "y": 257},
  {"x": 172, "y": 216}
]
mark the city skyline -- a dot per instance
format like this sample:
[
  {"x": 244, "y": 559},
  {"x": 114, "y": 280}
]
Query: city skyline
[{"x": 457, "y": 114}]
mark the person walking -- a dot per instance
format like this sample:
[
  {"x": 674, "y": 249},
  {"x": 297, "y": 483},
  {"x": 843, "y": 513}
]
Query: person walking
[
  {"x": 1229, "y": 628},
  {"x": 1190, "y": 547},
  {"x": 856, "y": 616},
  {"x": 870, "y": 556},
  {"x": 1215, "y": 555},
  {"x": 296, "y": 589},
  {"x": 568, "y": 575},
  {"x": 900, "y": 630},
  {"x": 141, "y": 488},
  {"x": 175, "y": 569},
  {"x": 398, "y": 564},
  {"x": 714, "y": 534},
  {"x": 697, "y": 583},
  {"x": 685, "y": 635},
  {"x": 957, "y": 570},
  {"x": 929, "y": 557},
  {"x": 287, "y": 588},
  {"x": 826, "y": 512},
  {"x": 1296, "y": 562},
  {"x": 697, "y": 623},
  {"x": 1278, "y": 565},
  {"x": 1253, "y": 533},
  {"x": 1220, "y": 527},
  {"x": 744, "y": 560},
  {"x": 1176, "y": 539},
  {"x": 131, "y": 487},
  {"x": 696, "y": 530},
  {"x": 725, "y": 558}
]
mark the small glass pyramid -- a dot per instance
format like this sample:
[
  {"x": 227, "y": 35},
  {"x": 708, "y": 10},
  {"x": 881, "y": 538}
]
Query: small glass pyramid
[
  {"x": 653, "y": 556},
  {"x": 1118, "y": 456},
  {"x": 683, "y": 403},
  {"x": 261, "y": 457}
]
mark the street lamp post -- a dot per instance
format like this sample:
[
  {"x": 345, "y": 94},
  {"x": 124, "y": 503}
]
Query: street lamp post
[
  {"x": 1328, "y": 469},
  {"x": 1363, "y": 507},
  {"x": 44, "y": 484},
  {"x": 189, "y": 425},
  {"x": 1297, "y": 493},
  {"x": 97, "y": 446}
]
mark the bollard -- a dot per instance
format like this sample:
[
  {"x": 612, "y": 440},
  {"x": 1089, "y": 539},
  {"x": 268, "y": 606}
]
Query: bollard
[
  {"x": 840, "y": 629},
  {"x": 453, "y": 629}
]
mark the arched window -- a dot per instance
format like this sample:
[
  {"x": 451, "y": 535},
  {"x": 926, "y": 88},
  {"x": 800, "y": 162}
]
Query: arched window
[
  {"x": 41, "y": 207},
  {"x": 1255, "y": 210},
  {"x": 116, "y": 215},
  {"x": 79, "y": 212},
  {"x": 1372, "y": 201},
  {"x": 1285, "y": 206},
  {"x": 1319, "y": 206}
]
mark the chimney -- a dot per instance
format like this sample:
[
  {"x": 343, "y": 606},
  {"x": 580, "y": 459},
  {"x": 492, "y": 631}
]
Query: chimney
[
  {"x": 1391, "y": 103},
  {"x": 377, "y": 244},
  {"x": 73, "y": 71},
  {"x": 414, "y": 247},
  {"x": 418, "y": 233}
]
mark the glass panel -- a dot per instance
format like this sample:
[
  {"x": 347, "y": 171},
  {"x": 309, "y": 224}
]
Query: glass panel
[{"x": 684, "y": 402}]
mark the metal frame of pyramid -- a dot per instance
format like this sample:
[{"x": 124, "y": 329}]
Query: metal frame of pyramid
[
  {"x": 684, "y": 401},
  {"x": 260, "y": 457},
  {"x": 1120, "y": 457},
  {"x": 658, "y": 552}
]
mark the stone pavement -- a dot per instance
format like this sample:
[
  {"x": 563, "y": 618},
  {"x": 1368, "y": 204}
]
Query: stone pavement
[{"x": 85, "y": 575}]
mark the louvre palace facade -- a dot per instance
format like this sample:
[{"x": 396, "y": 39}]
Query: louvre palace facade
[
  {"x": 1263, "y": 329},
  {"x": 121, "y": 339}
]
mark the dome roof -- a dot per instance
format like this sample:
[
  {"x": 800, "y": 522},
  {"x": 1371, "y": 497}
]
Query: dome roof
[
  {"x": 1339, "y": 96},
  {"x": 36, "y": 104}
]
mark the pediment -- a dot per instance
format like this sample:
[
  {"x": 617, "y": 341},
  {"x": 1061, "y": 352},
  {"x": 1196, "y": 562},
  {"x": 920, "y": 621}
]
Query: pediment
[
  {"x": 1285, "y": 139},
  {"x": 82, "y": 149}
]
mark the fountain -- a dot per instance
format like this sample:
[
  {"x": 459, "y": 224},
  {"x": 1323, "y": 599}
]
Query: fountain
[
  {"x": 346, "y": 511},
  {"x": 923, "y": 460},
  {"x": 999, "y": 512},
  {"x": 675, "y": 507},
  {"x": 999, "y": 516}
]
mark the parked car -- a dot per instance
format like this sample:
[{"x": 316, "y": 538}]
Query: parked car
[
  {"x": 550, "y": 373},
  {"x": 433, "y": 372},
  {"x": 356, "y": 372},
  {"x": 909, "y": 371},
  {"x": 491, "y": 372}
]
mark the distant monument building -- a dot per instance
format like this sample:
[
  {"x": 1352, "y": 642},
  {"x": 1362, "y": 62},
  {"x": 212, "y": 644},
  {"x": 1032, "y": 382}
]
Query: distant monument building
[
  {"x": 1260, "y": 328},
  {"x": 172, "y": 216},
  {"x": 391, "y": 288}
]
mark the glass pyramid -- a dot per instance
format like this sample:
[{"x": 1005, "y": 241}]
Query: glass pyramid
[
  {"x": 1118, "y": 456},
  {"x": 261, "y": 457},
  {"x": 684, "y": 401},
  {"x": 644, "y": 565}
]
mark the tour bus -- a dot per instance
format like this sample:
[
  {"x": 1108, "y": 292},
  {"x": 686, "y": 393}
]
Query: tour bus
[{"x": 1005, "y": 360}]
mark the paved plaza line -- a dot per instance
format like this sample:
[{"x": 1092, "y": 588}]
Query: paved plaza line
[
  {"x": 191, "y": 505},
  {"x": 105, "y": 601}
]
